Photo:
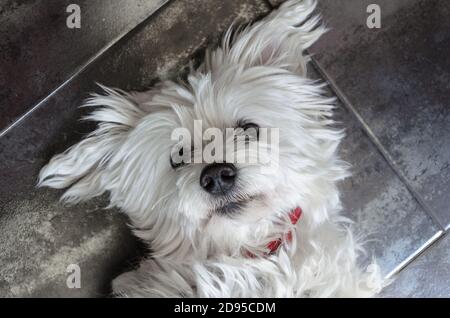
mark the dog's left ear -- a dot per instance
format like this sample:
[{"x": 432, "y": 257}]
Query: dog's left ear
[
  {"x": 279, "y": 40},
  {"x": 84, "y": 166}
]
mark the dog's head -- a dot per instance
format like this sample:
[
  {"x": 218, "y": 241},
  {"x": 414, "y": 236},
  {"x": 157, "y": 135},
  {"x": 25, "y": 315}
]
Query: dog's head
[{"x": 168, "y": 160}]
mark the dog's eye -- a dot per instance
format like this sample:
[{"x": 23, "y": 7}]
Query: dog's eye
[
  {"x": 177, "y": 161},
  {"x": 250, "y": 129}
]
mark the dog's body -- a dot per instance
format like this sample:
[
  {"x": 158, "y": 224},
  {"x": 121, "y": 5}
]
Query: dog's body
[{"x": 257, "y": 76}]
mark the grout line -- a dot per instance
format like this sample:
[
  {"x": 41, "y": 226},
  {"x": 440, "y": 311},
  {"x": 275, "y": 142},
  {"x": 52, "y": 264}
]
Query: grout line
[
  {"x": 413, "y": 256},
  {"x": 379, "y": 145},
  {"x": 82, "y": 68}
]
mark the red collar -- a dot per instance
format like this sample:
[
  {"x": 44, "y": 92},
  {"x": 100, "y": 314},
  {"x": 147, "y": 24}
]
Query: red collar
[{"x": 273, "y": 246}]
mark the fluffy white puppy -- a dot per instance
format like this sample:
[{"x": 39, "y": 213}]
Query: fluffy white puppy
[{"x": 227, "y": 229}]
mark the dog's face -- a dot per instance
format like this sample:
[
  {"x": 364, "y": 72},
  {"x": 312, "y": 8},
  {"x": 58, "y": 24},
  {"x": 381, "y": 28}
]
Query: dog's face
[{"x": 177, "y": 199}]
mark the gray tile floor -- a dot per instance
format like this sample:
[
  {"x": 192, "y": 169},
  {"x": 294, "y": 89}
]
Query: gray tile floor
[
  {"x": 393, "y": 89},
  {"x": 399, "y": 87},
  {"x": 38, "y": 52},
  {"x": 379, "y": 201},
  {"x": 394, "y": 81}
]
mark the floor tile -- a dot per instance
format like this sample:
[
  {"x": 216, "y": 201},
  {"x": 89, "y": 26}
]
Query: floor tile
[
  {"x": 38, "y": 51},
  {"x": 427, "y": 276},
  {"x": 47, "y": 235},
  {"x": 397, "y": 78},
  {"x": 376, "y": 199}
]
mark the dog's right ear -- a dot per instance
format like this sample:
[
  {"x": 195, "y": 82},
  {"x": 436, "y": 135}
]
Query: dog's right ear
[
  {"x": 83, "y": 167},
  {"x": 280, "y": 39}
]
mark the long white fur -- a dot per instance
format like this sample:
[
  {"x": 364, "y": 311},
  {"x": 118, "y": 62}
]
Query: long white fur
[{"x": 259, "y": 75}]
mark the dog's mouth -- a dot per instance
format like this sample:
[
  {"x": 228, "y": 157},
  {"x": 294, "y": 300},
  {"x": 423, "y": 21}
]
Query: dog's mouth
[
  {"x": 234, "y": 207},
  {"x": 231, "y": 208}
]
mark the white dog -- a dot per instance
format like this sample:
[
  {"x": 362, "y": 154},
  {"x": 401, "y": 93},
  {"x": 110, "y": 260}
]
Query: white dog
[{"x": 227, "y": 229}]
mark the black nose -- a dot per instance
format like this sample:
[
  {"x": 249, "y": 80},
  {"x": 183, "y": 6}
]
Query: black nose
[{"x": 218, "y": 178}]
